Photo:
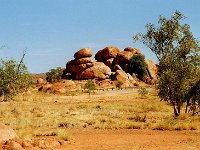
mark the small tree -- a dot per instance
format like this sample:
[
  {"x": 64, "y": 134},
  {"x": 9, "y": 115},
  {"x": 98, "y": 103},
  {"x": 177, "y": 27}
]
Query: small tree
[
  {"x": 14, "y": 78},
  {"x": 54, "y": 75},
  {"x": 138, "y": 66},
  {"x": 90, "y": 86},
  {"x": 178, "y": 55}
]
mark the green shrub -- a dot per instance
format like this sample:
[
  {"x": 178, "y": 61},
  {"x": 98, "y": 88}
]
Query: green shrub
[
  {"x": 90, "y": 86},
  {"x": 54, "y": 75},
  {"x": 14, "y": 78},
  {"x": 138, "y": 66}
]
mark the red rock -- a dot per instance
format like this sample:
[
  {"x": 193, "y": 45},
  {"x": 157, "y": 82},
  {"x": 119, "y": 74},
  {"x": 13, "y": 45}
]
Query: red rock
[
  {"x": 84, "y": 52},
  {"x": 83, "y": 61},
  {"x": 132, "y": 50},
  {"x": 71, "y": 67},
  {"x": 106, "y": 53},
  {"x": 6, "y": 133},
  {"x": 123, "y": 57},
  {"x": 109, "y": 63},
  {"x": 117, "y": 67},
  {"x": 46, "y": 143},
  {"x": 98, "y": 70},
  {"x": 126, "y": 79},
  {"x": 153, "y": 69},
  {"x": 13, "y": 145}
]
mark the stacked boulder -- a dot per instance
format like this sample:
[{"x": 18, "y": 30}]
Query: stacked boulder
[
  {"x": 84, "y": 67},
  {"x": 111, "y": 63}
]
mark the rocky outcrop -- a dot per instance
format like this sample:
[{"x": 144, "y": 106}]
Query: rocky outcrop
[
  {"x": 84, "y": 52},
  {"x": 125, "y": 78},
  {"x": 107, "y": 53},
  {"x": 111, "y": 63}
]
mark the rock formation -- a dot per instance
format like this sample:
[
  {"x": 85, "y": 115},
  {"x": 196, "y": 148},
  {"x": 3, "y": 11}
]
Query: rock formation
[{"x": 111, "y": 63}]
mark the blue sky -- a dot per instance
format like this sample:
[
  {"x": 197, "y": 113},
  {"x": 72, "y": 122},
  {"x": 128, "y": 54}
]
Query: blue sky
[{"x": 53, "y": 30}]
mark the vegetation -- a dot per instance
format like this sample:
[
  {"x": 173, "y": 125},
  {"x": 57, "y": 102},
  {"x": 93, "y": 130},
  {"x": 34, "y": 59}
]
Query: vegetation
[
  {"x": 178, "y": 54},
  {"x": 121, "y": 111},
  {"x": 138, "y": 66},
  {"x": 14, "y": 78},
  {"x": 143, "y": 92},
  {"x": 193, "y": 99},
  {"x": 90, "y": 86},
  {"x": 54, "y": 75}
]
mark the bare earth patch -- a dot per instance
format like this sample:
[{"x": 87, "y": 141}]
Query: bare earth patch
[{"x": 90, "y": 139}]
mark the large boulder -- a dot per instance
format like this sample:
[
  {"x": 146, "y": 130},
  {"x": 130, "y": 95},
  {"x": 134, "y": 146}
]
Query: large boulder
[
  {"x": 84, "y": 52},
  {"x": 98, "y": 70},
  {"x": 75, "y": 66},
  {"x": 6, "y": 133},
  {"x": 132, "y": 50},
  {"x": 106, "y": 53},
  {"x": 125, "y": 78},
  {"x": 152, "y": 69},
  {"x": 123, "y": 57},
  {"x": 83, "y": 61}
]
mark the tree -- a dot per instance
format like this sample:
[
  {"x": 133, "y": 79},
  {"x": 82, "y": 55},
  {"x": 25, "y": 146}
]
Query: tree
[
  {"x": 14, "y": 78},
  {"x": 178, "y": 54},
  {"x": 193, "y": 99},
  {"x": 54, "y": 75},
  {"x": 90, "y": 86},
  {"x": 138, "y": 66}
]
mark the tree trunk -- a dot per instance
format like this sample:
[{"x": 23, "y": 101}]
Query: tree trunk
[
  {"x": 176, "y": 112},
  {"x": 187, "y": 105}
]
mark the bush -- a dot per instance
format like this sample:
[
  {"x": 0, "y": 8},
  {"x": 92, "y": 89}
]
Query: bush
[
  {"x": 90, "y": 85},
  {"x": 138, "y": 66},
  {"x": 54, "y": 75},
  {"x": 143, "y": 92},
  {"x": 14, "y": 78}
]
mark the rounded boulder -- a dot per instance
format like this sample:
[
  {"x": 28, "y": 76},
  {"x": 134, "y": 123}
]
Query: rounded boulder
[{"x": 82, "y": 53}]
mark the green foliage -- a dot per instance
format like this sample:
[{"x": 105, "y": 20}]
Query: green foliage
[
  {"x": 138, "y": 65},
  {"x": 54, "y": 75},
  {"x": 143, "y": 92},
  {"x": 178, "y": 54},
  {"x": 90, "y": 86},
  {"x": 14, "y": 78}
]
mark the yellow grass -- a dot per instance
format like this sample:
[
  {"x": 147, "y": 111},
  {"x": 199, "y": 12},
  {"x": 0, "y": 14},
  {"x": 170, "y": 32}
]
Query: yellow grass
[{"x": 50, "y": 115}]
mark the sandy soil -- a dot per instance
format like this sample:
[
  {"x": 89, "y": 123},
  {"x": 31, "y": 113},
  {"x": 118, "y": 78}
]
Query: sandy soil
[{"x": 91, "y": 139}]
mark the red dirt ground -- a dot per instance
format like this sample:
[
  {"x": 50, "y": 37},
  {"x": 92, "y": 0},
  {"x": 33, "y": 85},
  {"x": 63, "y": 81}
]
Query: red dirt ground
[{"x": 91, "y": 139}]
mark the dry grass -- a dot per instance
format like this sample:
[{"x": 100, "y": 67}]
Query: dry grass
[{"x": 50, "y": 115}]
